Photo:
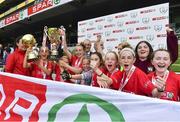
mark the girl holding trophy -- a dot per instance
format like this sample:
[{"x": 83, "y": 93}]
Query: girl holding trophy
[{"x": 42, "y": 67}]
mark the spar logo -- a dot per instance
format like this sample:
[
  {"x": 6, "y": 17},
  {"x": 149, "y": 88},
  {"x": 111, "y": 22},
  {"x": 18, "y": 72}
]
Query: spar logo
[{"x": 83, "y": 115}]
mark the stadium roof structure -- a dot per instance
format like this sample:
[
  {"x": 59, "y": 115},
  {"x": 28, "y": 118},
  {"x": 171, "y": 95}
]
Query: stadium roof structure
[
  {"x": 70, "y": 13},
  {"x": 5, "y": 5}
]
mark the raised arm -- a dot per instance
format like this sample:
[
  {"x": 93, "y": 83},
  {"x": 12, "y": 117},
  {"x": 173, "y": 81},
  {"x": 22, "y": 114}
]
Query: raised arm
[
  {"x": 64, "y": 44},
  {"x": 172, "y": 44},
  {"x": 76, "y": 70}
]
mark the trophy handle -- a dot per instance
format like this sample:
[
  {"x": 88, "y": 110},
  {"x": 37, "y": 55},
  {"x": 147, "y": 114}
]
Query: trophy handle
[
  {"x": 45, "y": 35},
  {"x": 45, "y": 30},
  {"x": 62, "y": 31}
]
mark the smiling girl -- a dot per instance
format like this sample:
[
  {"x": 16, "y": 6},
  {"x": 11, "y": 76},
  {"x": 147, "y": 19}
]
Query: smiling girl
[
  {"x": 42, "y": 67},
  {"x": 109, "y": 77},
  {"x": 143, "y": 56},
  {"x": 164, "y": 78},
  {"x": 134, "y": 80}
]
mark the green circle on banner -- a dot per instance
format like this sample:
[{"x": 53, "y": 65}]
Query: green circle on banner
[
  {"x": 57, "y": 2},
  {"x": 113, "y": 112}
]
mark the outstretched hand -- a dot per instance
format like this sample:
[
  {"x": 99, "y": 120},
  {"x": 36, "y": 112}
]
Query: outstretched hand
[{"x": 65, "y": 75}]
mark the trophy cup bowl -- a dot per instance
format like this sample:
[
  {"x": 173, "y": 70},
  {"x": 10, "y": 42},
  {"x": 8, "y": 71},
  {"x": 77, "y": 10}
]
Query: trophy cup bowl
[
  {"x": 54, "y": 38},
  {"x": 29, "y": 41}
]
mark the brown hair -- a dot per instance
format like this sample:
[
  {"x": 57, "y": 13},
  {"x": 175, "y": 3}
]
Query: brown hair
[
  {"x": 153, "y": 54},
  {"x": 116, "y": 56},
  {"x": 100, "y": 57},
  {"x": 150, "y": 49}
]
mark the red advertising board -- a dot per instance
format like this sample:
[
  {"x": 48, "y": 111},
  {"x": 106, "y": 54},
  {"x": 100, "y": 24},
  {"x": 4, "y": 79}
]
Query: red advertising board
[
  {"x": 12, "y": 18},
  {"x": 40, "y": 6}
]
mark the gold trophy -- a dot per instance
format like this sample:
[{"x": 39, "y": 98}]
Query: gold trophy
[
  {"x": 29, "y": 41},
  {"x": 53, "y": 35}
]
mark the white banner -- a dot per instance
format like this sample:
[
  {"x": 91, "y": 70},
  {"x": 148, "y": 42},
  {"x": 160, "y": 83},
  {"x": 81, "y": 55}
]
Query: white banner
[
  {"x": 147, "y": 23},
  {"x": 31, "y": 99}
]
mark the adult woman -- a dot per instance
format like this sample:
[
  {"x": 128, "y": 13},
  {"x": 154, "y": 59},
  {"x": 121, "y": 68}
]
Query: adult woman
[
  {"x": 161, "y": 60},
  {"x": 143, "y": 56}
]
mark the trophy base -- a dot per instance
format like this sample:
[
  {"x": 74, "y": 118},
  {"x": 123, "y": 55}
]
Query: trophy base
[{"x": 32, "y": 59}]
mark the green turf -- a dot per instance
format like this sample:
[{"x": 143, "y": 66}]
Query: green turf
[{"x": 176, "y": 66}]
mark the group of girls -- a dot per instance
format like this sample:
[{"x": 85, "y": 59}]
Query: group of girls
[{"x": 126, "y": 71}]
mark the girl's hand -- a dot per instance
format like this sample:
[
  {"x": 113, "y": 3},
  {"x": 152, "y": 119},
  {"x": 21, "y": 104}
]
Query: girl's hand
[
  {"x": 62, "y": 63},
  {"x": 160, "y": 84},
  {"x": 102, "y": 82},
  {"x": 28, "y": 50},
  {"x": 93, "y": 65}
]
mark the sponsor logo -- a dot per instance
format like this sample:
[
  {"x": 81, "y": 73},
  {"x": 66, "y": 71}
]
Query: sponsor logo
[
  {"x": 12, "y": 18},
  {"x": 120, "y": 24},
  {"x": 107, "y": 33},
  {"x": 97, "y": 34},
  {"x": 133, "y": 15},
  {"x": 145, "y": 20},
  {"x": 135, "y": 37},
  {"x": 109, "y": 26},
  {"x": 90, "y": 29},
  {"x": 132, "y": 22},
  {"x": 91, "y": 23},
  {"x": 40, "y": 6},
  {"x": 160, "y": 18},
  {"x": 100, "y": 20},
  {"x": 84, "y": 23},
  {"x": 112, "y": 39},
  {"x": 83, "y": 30},
  {"x": 147, "y": 11},
  {"x": 161, "y": 35},
  {"x": 143, "y": 28},
  {"x": 130, "y": 30},
  {"x": 121, "y": 16},
  {"x": 57, "y": 2},
  {"x": 114, "y": 113},
  {"x": 100, "y": 27},
  {"x": 118, "y": 31},
  {"x": 158, "y": 27},
  {"x": 150, "y": 37},
  {"x": 89, "y": 36},
  {"x": 163, "y": 10}
]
